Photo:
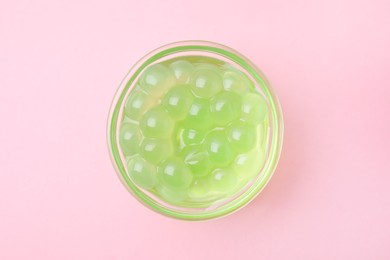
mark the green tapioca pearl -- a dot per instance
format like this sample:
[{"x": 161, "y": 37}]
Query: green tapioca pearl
[
  {"x": 142, "y": 173},
  {"x": 156, "y": 80},
  {"x": 235, "y": 81},
  {"x": 156, "y": 123},
  {"x": 206, "y": 83},
  {"x": 223, "y": 180},
  {"x": 248, "y": 165},
  {"x": 254, "y": 108},
  {"x": 225, "y": 107},
  {"x": 174, "y": 174},
  {"x": 137, "y": 103},
  {"x": 156, "y": 150},
  {"x": 178, "y": 101},
  {"x": 219, "y": 149},
  {"x": 197, "y": 160},
  {"x": 129, "y": 138},
  {"x": 191, "y": 136},
  {"x": 199, "y": 116},
  {"x": 242, "y": 136},
  {"x": 182, "y": 70}
]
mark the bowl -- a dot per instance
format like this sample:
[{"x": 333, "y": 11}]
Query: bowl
[{"x": 195, "y": 130}]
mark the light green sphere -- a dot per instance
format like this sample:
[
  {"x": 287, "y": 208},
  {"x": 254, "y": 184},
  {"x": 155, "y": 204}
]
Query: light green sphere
[
  {"x": 156, "y": 80},
  {"x": 219, "y": 149},
  {"x": 182, "y": 70},
  {"x": 190, "y": 136},
  {"x": 178, "y": 101},
  {"x": 174, "y": 174},
  {"x": 225, "y": 107},
  {"x": 156, "y": 123},
  {"x": 206, "y": 83},
  {"x": 254, "y": 108},
  {"x": 248, "y": 165},
  {"x": 156, "y": 150},
  {"x": 242, "y": 136},
  {"x": 142, "y": 173},
  {"x": 129, "y": 138},
  {"x": 137, "y": 104},
  {"x": 199, "y": 116},
  {"x": 235, "y": 81}
]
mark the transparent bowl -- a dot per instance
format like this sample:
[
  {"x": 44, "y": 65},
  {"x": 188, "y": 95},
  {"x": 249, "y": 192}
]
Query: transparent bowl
[{"x": 217, "y": 207}]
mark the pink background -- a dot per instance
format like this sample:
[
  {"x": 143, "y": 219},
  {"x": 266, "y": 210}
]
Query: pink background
[{"x": 61, "y": 63}]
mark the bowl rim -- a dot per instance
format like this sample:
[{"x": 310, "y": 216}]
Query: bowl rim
[{"x": 275, "y": 145}]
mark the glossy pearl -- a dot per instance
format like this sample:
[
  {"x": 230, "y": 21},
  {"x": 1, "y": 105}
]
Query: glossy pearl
[
  {"x": 199, "y": 116},
  {"x": 156, "y": 123},
  {"x": 174, "y": 174},
  {"x": 137, "y": 104},
  {"x": 156, "y": 80},
  {"x": 243, "y": 137},
  {"x": 142, "y": 173},
  {"x": 190, "y": 136},
  {"x": 182, "y": 70},
  {"x": 129, "y": 139},
  {"x": 219, "y": 149},
  {"x": 206, "y": 83},
  {"x": 254, "y": 108},
  {"x": 156, "y": 150},
  {"x": 248, "y": 165},
  {"x": 225, "y": 107},
  {"x": 178, "y": 101},
  {"x": 235, "y": 81}
]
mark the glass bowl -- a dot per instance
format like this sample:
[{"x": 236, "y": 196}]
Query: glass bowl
[{"x": 195, "y": 131}]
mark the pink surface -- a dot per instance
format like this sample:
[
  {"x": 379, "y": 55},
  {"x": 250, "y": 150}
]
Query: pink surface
[{"x": 61, "y": 62}]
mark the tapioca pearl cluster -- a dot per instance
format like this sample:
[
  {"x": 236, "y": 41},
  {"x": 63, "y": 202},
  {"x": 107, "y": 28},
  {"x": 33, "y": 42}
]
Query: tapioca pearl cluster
[
  {"x": 212, "y": 161},
  {"x": 145, "y": 138},
  {"x": 190, "y": 144}
]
